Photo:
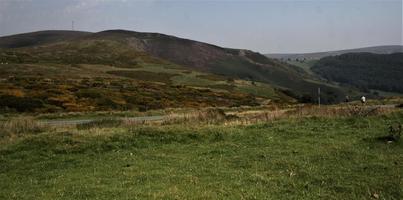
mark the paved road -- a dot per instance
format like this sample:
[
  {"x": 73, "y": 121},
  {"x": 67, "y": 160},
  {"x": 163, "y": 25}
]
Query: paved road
[{"x": 64, "y": 122}]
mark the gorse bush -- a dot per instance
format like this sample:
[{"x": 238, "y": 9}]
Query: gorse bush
[
  {"x": 89, "y": 93},
  {"x": 339, "y": 111},
  {"x": 41, "y": 94},
  {"x": 20, "y": 104},
  {"x": 362, "y": 111}
]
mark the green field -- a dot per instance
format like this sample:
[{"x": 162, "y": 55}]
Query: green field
[{"x": 286, "y": 158}]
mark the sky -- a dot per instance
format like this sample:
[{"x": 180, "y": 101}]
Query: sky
[{"x": 266, "y": 26}]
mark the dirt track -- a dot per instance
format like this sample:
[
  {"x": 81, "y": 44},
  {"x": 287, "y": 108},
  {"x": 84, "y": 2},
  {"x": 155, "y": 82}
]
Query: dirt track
[{"x": 66, "y": 122}]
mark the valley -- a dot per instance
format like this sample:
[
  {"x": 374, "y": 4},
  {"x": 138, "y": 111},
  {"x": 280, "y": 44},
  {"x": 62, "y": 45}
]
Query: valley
[{"x": 128, "y": 115}]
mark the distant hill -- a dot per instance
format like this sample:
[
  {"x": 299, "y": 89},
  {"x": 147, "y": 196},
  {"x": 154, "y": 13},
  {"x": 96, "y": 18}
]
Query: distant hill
[
  {"x": 364, "y": 70},
  {"x": 318, "y": 55},
  {"x": 38, "y": 38},
  {"x": 153, "y": 58}
]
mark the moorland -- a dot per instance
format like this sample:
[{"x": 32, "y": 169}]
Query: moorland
[{"x": 128, "y": 115}]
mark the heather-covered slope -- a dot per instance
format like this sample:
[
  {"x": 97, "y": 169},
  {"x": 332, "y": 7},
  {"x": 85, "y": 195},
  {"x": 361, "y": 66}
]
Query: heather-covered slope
[
  {"x": 38, "y": 38},
  {"x": 128, "y": 50}
]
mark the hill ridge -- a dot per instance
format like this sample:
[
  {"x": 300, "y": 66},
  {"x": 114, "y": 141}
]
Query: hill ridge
[
  {"x": 195, "y": 55},
  {"x": 381, "y": 49}
]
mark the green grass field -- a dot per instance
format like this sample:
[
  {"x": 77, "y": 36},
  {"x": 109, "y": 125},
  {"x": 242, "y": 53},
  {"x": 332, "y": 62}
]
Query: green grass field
[{"x": 290, "y": 158}]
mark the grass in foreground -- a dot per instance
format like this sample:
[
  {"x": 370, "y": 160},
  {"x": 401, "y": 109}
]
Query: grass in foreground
[{"x": 298, "y": 158}]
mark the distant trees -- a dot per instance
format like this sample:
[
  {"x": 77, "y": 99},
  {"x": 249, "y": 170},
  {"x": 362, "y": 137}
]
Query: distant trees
[{"x": 364, "y": 71}]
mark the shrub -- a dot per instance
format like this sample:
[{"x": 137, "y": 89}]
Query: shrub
[
  {"x": 21, "y": 125},
  {"x": 306, "y": 98},
  {"x": 107, "y": 103},
  {"x": 20, "y": 104},
  {"x": 89, "y": 93}
]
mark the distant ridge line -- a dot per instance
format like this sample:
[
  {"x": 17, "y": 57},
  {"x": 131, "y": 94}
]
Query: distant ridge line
[{"x": 384, "y": 49}]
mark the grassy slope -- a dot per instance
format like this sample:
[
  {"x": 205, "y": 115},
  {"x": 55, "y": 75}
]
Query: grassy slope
[
  {"x": 291, "y": 77},
  {"x": 349, "y": 90},
  {"x": 89, "y": 88},
  {"x": 306, "y": 65},
  {"x": 288, "y": 159},
  {"x": 114, "y": 71},
  {"x": 233, "y": 63},
  {"x": 182, "y": 76},
  {"x": 126, "y": 49}
]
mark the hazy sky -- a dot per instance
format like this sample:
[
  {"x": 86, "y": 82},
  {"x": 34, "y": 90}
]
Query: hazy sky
[{"x": 266, "y": 26}]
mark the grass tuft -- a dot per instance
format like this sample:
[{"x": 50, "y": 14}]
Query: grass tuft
[{"x": 20, "y": 126}]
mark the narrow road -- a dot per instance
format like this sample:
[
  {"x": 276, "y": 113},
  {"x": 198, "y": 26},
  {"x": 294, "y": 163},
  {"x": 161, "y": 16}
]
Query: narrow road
[
  {"x": 65, "y": 122},
  {"x": 387, "y": 106}
]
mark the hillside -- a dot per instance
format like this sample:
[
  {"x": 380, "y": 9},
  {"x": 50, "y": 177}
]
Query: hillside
[
  {"x": 38, "y": 38},
  {"x": 133, "y": 70},
  {"x": 364, "y": 70},
  {"x": 235, "y": 63},
  {"x": 318, "y": 55}
]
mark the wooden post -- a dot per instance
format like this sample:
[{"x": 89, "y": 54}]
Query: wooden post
[{"x": 319, "y": 96}]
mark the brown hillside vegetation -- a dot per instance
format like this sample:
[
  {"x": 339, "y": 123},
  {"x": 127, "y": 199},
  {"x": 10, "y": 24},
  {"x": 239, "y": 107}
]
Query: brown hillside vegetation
[{"x": 129, "y": 49}]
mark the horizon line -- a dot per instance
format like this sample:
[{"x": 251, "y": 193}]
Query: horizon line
[{"x": 264, "y": 53}]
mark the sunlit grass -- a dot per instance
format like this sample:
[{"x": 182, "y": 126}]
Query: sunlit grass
[{"x": 290, "y": 158}]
